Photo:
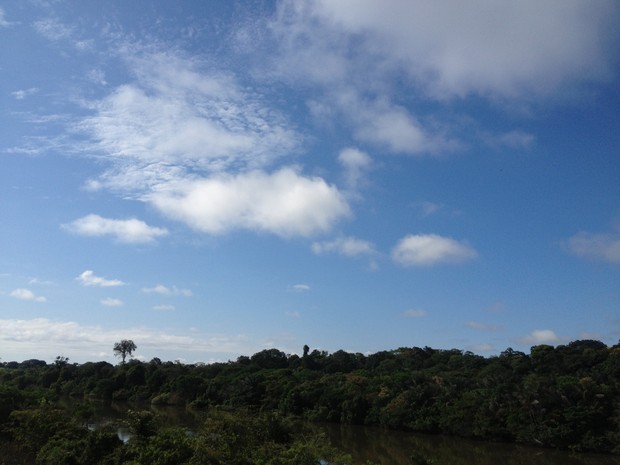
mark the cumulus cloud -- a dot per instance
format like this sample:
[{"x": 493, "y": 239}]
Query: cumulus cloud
[
  {"x": 130, "y": 231},
  {"x": 195, "y": 144},
  {"x": 347, "y": 246},
  {"x": 112, "y": 302},
  {"x": 601, "y": 246},
  {"x": 88, "y": 278},
  {"x": 168, "y": 291},
  {"x": 414, "y": 313},
  {"x": 431, "y": 249},
  {"x": 284, "y": 203},
  {"x": 349, "y": 52},
  {"x": 540, "y": 336},
  {"x": 27, "y": 294},
  {"x": 453, "y": 49}
]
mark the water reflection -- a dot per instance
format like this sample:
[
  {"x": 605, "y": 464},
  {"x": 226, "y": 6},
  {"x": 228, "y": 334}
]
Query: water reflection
[
  {"x": 380, "y": 446},
  {"x": 396, "y": 448}
]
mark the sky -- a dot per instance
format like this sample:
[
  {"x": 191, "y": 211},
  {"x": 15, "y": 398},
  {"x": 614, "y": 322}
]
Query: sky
[{"x": 211, "y": 179}]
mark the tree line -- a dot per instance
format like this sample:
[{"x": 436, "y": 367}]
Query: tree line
[{"x": 565, "y": 397}]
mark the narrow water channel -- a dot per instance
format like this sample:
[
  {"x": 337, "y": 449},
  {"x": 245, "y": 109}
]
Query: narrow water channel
[{"x": 384, "y": 447}]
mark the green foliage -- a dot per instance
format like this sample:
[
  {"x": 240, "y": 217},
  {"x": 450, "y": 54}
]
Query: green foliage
[
  {"x": 51, "y": 436},
  {"x": 124, "y": 348},
  {"x": 564, "y": 397}
]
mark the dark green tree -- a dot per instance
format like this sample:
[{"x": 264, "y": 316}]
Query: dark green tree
[{"x": 124, "y": 348}]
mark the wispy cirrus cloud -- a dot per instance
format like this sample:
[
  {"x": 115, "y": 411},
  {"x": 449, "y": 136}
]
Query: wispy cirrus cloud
[
  {"x": 597, "y": 246},
  {"x": 164, "y": 308},
  {"x": 88, "y": 278},
  {"x": 112, "y": 302},
  {"x": 167, "y": 291},
  {"x": 199, "y": 147},
  {"x": 3, "y": 21},
  {"x": 301, "y": 287},
  {"x": 23, "y": 93},
  {"x": 131, "y": 231},
  {"x": 52, "y": 29},
  {"x": 27, "y": 294},
  {"x": 347, "y": 246},
  {"x": 182, "y": 113},
  {"x": 431, "y": 249},
  {"x": 356, "y": 164}
]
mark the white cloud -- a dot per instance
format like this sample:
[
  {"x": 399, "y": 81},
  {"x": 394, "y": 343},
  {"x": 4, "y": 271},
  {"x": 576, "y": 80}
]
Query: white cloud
[
  {"x": 349, "y": 52},
  {"x": 164, "y": 308},
  {"x": 356, "y": 163},
  {"x": 180, "y": 116},
  {"x": 27, "y": 294},
  {"x": 393, "y": 126},
  {"x": 88, "y": 278},
  {"x": 382, "y": 122},
  {"x": 431, "y": 249},
  {"x": 192, "y": 142},
  {"x": 452, "y": 48},
  {"x": 130, "y": 231},
  {"x": 283, "y": 203},
  {"x": 347, "y": 246},
  {"x": 44, "y": 338},
  {"x": 111, "y": 302},
  {"x": 540, "y": 336},
  {"x": 301, "y": 287},
  {"x": 429, "y": 208},
  {"x": 23, "y": 93},
  {"x": 414, "y": 313},
  {"x": 39, "y": 281},
  {"x": 605, "y": 247},
  {"x": 52, "y": 29},
  {"x": 168, "y": 291},
  {"x": 3, "y": 21}
]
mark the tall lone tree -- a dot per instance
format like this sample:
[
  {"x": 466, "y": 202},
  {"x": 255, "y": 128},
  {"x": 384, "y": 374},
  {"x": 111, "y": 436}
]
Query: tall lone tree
[{"x": 124, "y": 348}]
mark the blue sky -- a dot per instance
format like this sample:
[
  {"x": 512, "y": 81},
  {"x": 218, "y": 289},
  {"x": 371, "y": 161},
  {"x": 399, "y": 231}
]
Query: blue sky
[{"x": 212, "y": 179}]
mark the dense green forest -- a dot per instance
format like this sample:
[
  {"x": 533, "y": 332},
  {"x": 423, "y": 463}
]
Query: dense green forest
[{"x": 564, "y": 397}]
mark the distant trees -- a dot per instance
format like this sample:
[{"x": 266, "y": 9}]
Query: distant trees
[
  {"x": 566, "y": 396},
  {"x": 124, "y": 348},
  {"x": 61, "y": 361}
]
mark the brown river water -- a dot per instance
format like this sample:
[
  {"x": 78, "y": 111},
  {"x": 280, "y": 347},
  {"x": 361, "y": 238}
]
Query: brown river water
[{"x": 386, "y": 447}]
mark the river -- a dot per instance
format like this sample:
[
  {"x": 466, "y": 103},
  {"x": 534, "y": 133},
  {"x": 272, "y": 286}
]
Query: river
[{"x": 385, "y": 447}]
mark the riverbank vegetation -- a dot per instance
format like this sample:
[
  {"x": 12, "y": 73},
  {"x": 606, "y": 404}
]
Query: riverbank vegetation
[{"x": 565, "y": 397}]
